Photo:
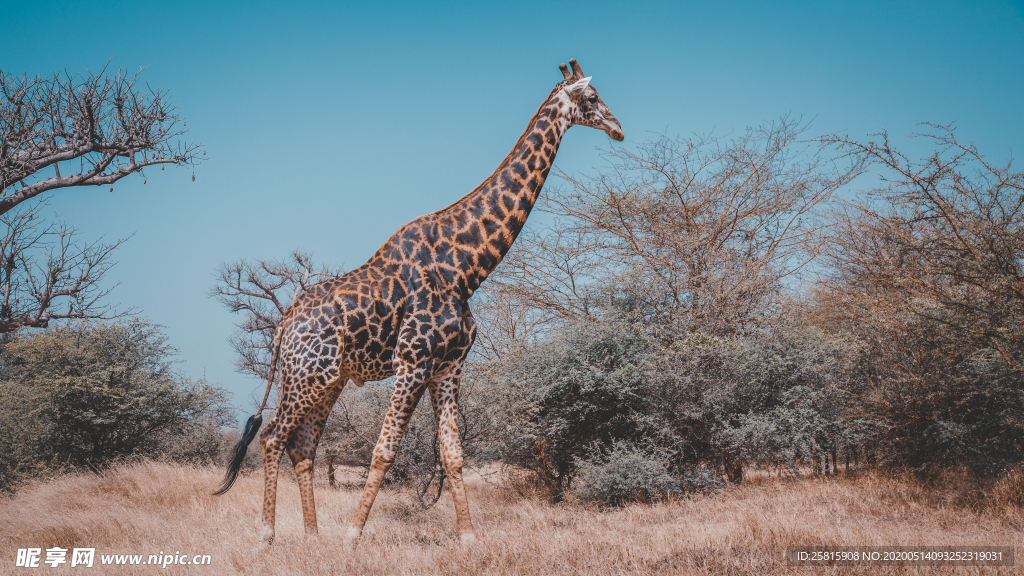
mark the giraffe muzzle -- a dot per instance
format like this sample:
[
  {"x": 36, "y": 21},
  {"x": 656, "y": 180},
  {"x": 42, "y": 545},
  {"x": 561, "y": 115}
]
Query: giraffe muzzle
[{"x": 614, "y": 130}]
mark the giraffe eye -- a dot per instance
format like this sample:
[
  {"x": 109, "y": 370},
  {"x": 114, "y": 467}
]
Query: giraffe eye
[{"x": 592, "y": 99}]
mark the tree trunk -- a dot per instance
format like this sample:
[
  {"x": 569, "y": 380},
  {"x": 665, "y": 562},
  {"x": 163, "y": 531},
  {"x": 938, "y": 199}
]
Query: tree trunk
[
  {"x": 330, "y": 469},
  {"x": 733, "y": 468}
]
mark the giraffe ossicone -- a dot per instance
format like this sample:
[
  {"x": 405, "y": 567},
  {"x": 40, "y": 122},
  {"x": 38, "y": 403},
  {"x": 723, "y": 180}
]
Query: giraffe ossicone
[{"x": 405, "y": 313}]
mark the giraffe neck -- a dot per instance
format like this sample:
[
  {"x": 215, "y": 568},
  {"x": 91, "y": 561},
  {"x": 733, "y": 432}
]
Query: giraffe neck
[{"x": 494, "y": 214}]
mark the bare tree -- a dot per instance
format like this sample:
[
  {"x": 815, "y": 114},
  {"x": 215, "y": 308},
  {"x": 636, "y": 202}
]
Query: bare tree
[
  {"x": 101, "y": 127},
  {"x": 699, "y": 234},
  {"x": 504, "y": 326},
  {"x": 928, "y": 271},
  {"x": 43, "y": 267},
  {"x": 946, "y": 232},
  {"x": 262, "y": 291},
  {"x": 64, "y": 131}
]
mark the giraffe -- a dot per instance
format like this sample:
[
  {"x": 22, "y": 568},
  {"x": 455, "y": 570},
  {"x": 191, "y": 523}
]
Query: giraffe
[{"x": 405, "y": 313}]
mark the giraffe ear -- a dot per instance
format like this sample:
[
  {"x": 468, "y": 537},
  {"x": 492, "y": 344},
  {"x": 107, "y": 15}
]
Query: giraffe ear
[{"x": 577, "y": 88}]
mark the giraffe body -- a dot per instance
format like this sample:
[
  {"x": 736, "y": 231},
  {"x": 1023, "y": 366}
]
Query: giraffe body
[{"x": 405, "y": 313}]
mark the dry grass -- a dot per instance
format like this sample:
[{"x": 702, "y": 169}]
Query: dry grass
[{"x": 147, "y": 508}]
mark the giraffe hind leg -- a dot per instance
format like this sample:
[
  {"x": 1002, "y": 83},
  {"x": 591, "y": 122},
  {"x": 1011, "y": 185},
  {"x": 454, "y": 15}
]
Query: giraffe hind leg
[
  {"x": 275, "y": 437},
  {"x": 271, "y": 466},
  {"x": 302, "y": 451}
]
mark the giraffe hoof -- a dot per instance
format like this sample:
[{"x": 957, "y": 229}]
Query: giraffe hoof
[
  {"x": 266, "y": 538},
  {"x": 469, "y": 540},
  {"x": 262, "y": 547},
  {"x": 351, "y": 539}
]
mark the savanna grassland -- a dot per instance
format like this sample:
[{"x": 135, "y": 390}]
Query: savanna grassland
[{"x": 148, "y": 508}]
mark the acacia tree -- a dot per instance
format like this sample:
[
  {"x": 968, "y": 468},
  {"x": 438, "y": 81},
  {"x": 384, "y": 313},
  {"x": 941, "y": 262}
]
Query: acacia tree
[
  {"x": 928, "y": 273},
  {"x": 102, "y": 127},
  {"x": 697, "y": 234},
  {"x": 948, "y": 229},
  {"x": 64, "y": 131}
]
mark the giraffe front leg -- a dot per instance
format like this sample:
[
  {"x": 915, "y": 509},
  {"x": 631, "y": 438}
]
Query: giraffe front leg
[
  {"x": 408, "y": 389},
  {"x": 302, "y": 451},
  {"x": 445, "y": 398}
]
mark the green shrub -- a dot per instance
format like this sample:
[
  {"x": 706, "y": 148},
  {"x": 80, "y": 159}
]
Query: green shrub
[
  {"x": 791, "y": 403},
  {"x": 627, "y": 472},
  {"x": 585, "y": 384},
  {"x": 83, "y": 394}
]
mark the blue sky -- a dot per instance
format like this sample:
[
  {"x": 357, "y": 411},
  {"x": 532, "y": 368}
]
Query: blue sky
[{"x": 329, "y": 125}]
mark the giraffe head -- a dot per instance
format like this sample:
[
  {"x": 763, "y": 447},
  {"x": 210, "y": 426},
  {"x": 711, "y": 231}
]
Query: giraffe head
[{"x": 586, "y": 107}]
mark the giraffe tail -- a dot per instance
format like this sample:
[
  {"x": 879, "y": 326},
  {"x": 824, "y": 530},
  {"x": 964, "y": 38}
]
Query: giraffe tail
[{"x": 252, "y": 426}]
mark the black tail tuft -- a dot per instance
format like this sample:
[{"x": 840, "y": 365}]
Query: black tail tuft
[{"x": 252, "y": 426}]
